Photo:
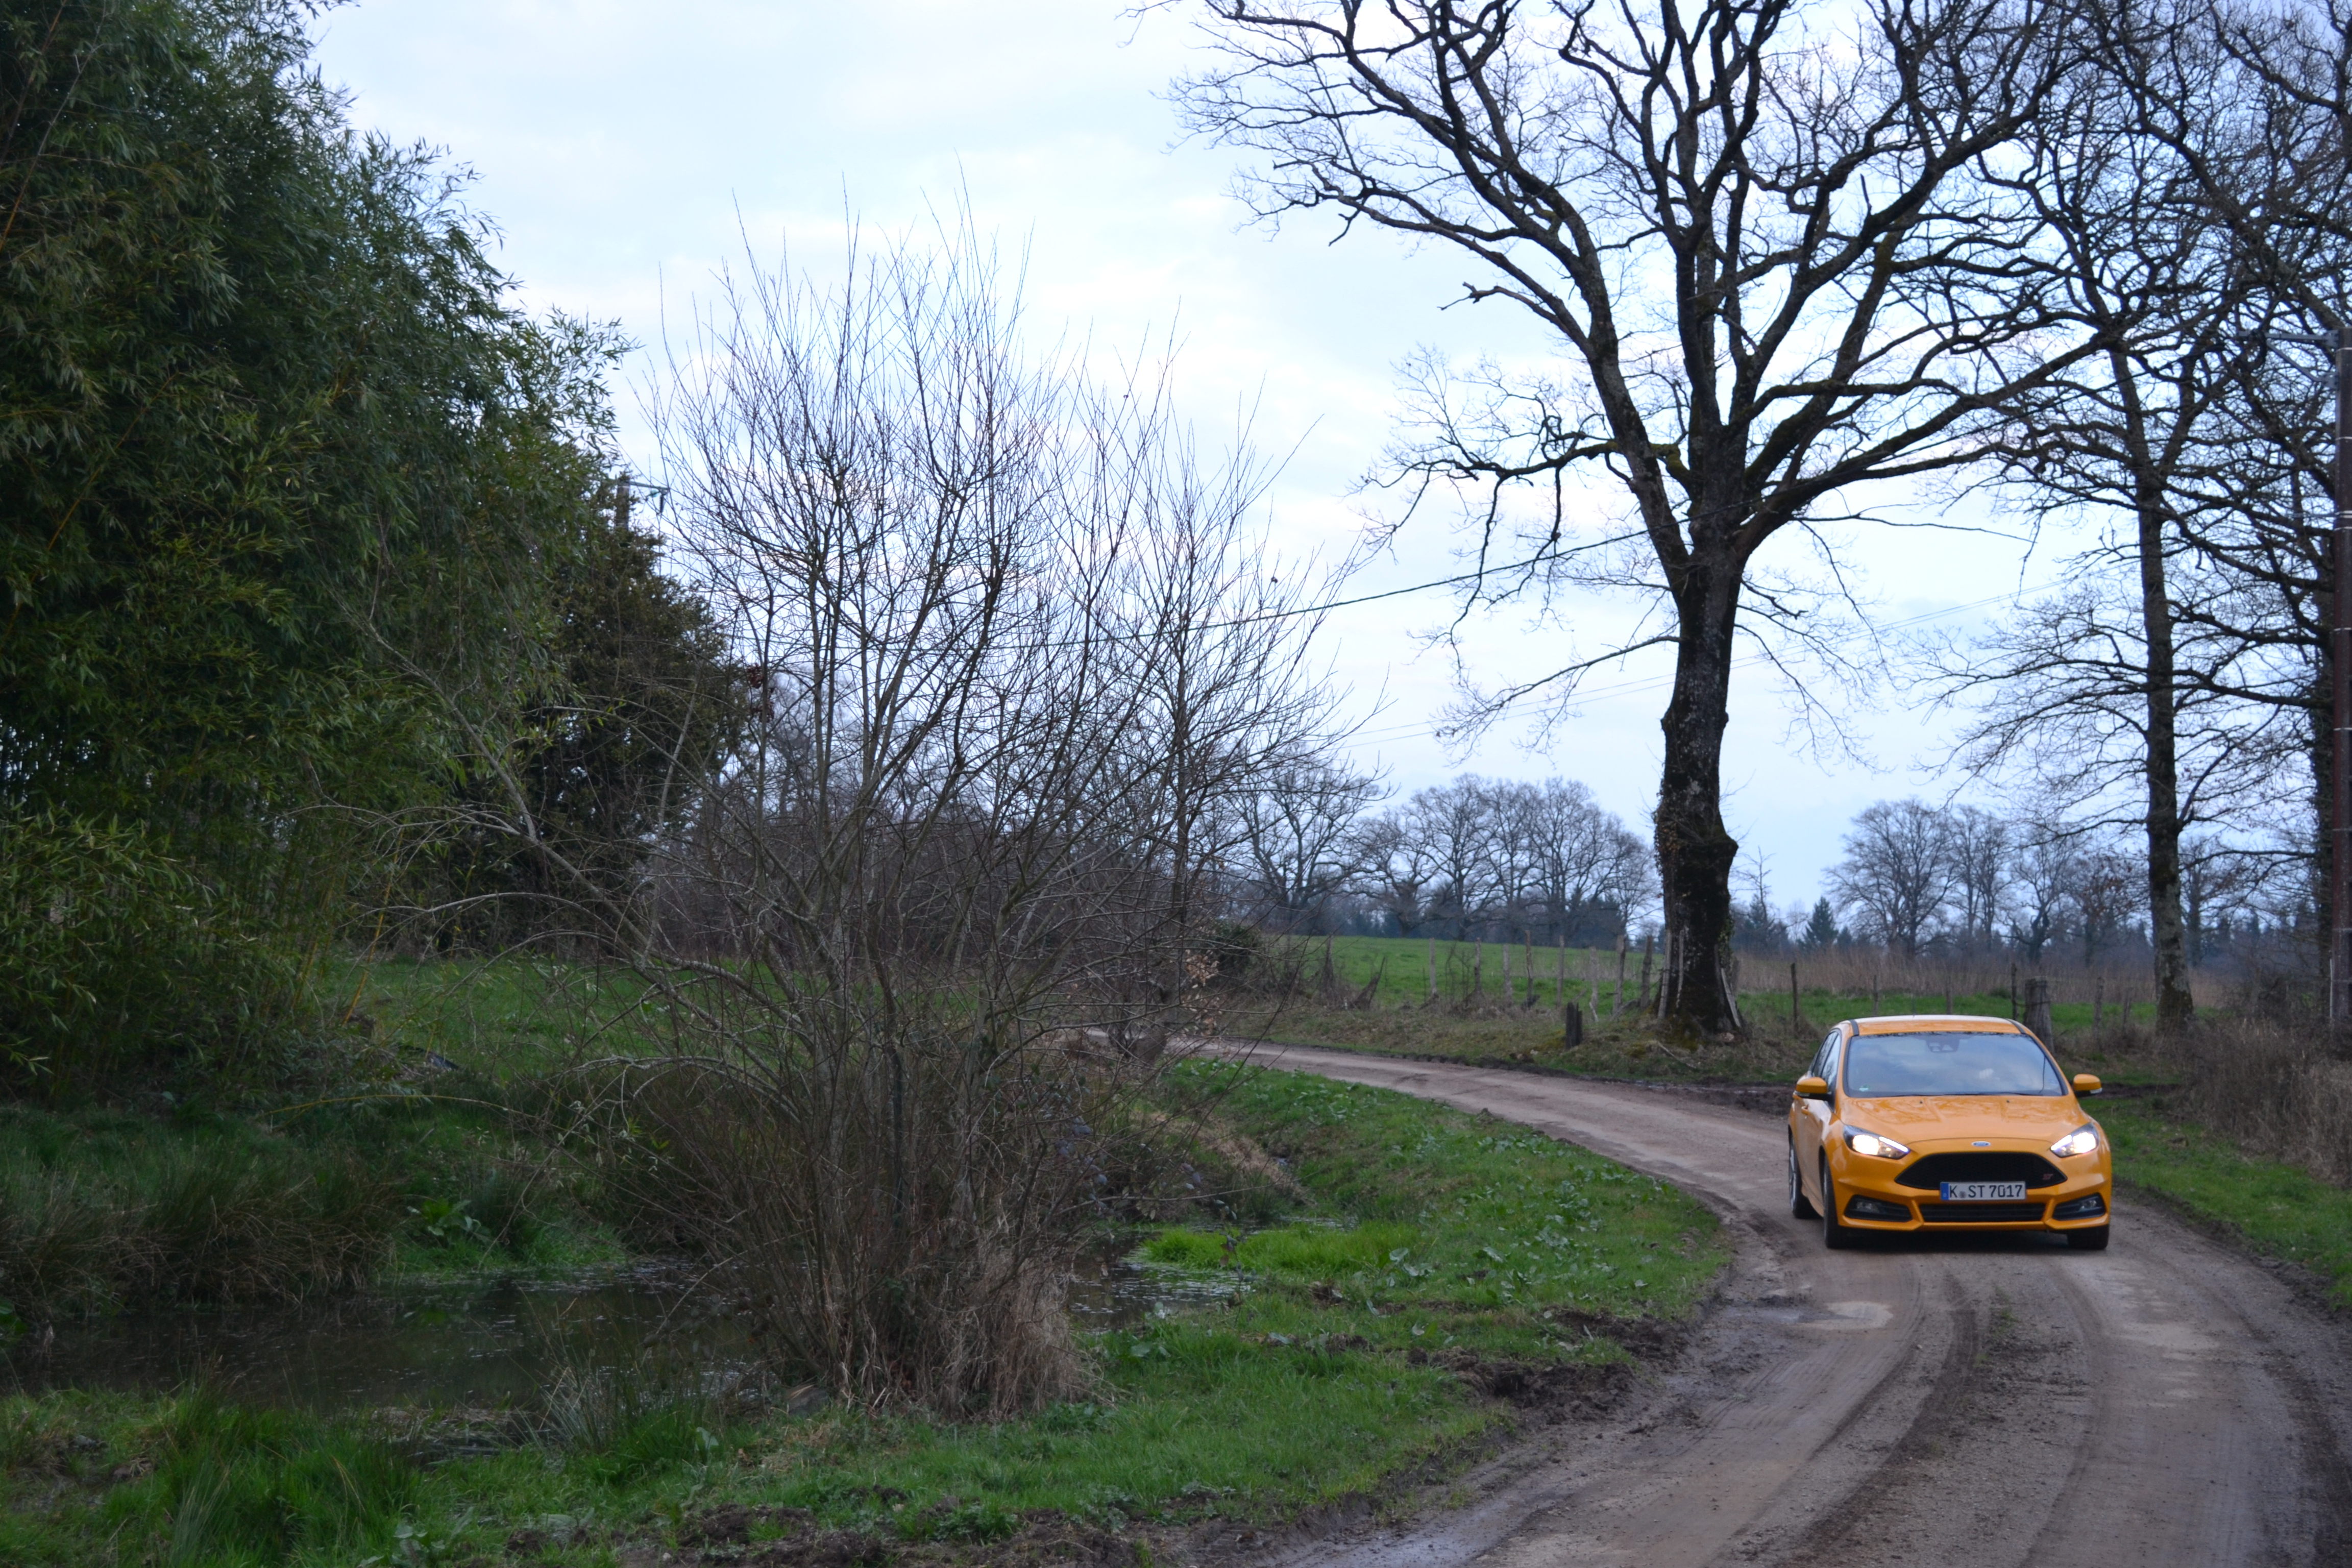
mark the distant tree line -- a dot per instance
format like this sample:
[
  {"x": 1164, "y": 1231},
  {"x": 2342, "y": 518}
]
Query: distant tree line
[
  {"x": 1955, "y": 881},
  {"x": 1475, "y": 857},
  {"x": 1506, "y": 860}
]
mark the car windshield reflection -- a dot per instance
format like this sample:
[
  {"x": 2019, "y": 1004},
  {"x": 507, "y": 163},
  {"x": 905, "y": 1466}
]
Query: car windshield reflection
[{"x": 1877, "y": 1066}]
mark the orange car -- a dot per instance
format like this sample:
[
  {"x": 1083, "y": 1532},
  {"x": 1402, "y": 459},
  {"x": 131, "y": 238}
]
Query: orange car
[{"x": 1946, "y": 1123}]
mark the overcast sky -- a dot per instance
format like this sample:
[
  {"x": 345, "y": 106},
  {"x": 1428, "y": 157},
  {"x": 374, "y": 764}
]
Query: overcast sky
[{"x": 628, "y": 151}]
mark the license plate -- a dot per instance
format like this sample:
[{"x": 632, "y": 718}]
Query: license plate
[{"x": 1983, "y": 1192}]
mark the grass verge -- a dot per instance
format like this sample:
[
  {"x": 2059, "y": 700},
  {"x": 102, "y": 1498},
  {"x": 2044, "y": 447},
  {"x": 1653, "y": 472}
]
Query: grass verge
[
  {"x": 2272, "y": 1207},
  {"x": 1441, "y": 1270}
]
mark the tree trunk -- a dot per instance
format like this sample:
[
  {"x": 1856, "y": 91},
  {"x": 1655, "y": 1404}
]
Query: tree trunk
[
  {"x": 2174, "y": 1008},
  {"x": 1695, "y": 851}
]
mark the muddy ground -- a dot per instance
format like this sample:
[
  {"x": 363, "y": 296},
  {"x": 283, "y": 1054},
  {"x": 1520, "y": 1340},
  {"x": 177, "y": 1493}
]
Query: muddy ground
[{"x": 1982, "y": 1400}]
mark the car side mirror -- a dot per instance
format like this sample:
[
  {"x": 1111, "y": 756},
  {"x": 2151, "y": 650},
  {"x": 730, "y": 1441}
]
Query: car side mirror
[
  {"x": 1812, "y": 1085},
  {"x": 2086, "y": 1083}
]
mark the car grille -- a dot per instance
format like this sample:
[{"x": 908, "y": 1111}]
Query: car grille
[
  {"x": 1978, "y": 1214},
  {"x": 1932, "y": 1171}
]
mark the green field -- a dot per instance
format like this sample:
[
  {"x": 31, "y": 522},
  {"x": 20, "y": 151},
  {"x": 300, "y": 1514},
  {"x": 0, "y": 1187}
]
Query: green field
[{"x": 1391, "y": 973}]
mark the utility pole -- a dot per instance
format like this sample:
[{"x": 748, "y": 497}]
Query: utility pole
[{"x": 2339, "y": 658}]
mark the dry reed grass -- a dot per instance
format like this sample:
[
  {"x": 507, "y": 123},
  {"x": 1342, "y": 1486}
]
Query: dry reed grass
[{"x": 2279, "y": 1089}]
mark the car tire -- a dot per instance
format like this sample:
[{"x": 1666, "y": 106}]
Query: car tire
[
  {"x": 1799, "y": 1205},
  {"x": 1835, "y": 1234},
  {"x": 2092, "y": 1240}
]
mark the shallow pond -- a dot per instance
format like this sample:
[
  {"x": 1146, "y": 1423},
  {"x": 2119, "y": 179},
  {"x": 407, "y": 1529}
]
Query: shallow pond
[
  {"x": 476, "y": 1343},
  {"x": 480, "y": 1344}
]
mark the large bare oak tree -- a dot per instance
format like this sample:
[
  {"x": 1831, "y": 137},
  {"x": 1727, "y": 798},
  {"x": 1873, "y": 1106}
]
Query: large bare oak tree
[{"x": 1760, "y": 233}]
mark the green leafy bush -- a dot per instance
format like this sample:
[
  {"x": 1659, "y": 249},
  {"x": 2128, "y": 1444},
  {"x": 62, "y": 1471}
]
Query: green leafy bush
[{"x": 111, "y": 950}]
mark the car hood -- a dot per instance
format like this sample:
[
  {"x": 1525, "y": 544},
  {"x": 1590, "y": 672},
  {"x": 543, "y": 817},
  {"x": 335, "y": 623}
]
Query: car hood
[{"x": 1919, "y": 1118}]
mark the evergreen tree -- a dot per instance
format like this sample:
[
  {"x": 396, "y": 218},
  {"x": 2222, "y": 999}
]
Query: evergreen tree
[{"x": 1821, "y": 932}]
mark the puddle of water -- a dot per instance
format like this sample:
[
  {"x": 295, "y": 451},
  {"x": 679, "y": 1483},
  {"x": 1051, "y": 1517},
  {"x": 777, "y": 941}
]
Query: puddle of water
[
  {"x": 1121, "y": 1293},
  {"x": 480, "y": 1344}
]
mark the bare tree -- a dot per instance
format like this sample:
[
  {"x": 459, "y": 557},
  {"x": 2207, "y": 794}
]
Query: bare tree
[
  {"x": 1458, "y": 826},
  {"x": 1978, "y": 841},
  {"x": 1762, "y": 234},
  {"x": 2272, "y": 171},
  {"x": 1218, "y": 622},
  {"x": 1585, "y": 869},
  {"x": 2107, "y": 888},
  {"x": 1003, "y": 670},
  {"x": 2040, "y": 873},
  {"x": 2114, "y": 688},
  {"x": 1399, "y": 865},
  {"x": 1302, "y": 835},
  {"x": 1898, "y": 872}
]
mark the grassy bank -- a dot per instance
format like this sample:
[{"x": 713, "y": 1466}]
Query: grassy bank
[
  {"x": 407, "y": 1144},
  {"x": 1431, "y": 1273},
  {"x": 2268, "y": 1205}
]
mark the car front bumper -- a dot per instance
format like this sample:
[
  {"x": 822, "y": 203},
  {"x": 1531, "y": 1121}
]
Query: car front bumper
[{"x": 1870, "y": 1198}]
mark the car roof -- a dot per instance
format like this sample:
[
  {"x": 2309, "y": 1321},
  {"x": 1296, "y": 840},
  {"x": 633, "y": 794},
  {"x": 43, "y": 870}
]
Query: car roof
[{"x": 1936, "y": 1024}]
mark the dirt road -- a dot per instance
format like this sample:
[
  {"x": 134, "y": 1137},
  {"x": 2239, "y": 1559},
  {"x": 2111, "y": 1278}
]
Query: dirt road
[{"x": 1980, "y": 1401}]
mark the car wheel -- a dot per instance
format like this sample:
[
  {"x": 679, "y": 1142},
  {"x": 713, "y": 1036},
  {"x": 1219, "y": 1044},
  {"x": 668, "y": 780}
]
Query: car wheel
[
  {"x": 1799, "y": 1203},
  {"x": 2092, "y": 1240},
  {"x": 1836, "y": 1235}
]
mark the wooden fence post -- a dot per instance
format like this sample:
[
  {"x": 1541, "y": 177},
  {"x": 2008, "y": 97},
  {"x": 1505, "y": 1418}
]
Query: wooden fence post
[{"x": 2037, "y": 1009}]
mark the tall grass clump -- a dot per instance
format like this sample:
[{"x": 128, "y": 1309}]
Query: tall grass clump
[
  {"x": 241, "y": 1484},
  {"x": 919, "y": 941},
  {"x": 94, "y": 1215}
]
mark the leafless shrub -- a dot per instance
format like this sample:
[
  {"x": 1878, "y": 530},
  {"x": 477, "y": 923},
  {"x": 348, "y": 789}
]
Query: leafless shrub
[{"x": 1010, "y": 663}]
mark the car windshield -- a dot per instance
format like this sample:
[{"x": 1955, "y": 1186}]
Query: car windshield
[{"x": 1948, "y": 1063}]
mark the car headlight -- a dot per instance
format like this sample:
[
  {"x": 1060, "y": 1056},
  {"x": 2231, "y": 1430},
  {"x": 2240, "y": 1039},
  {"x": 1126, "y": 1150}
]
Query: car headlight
[
  {"x": 1876, "y": 1146},
  {"x": 2084, "y": 1140}
]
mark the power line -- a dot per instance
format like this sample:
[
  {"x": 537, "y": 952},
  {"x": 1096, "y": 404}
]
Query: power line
[
  {"x": 1660, "y": 682},
  {"x": 1328, "y": 605},
  {"x": 1483, "y": 573}
]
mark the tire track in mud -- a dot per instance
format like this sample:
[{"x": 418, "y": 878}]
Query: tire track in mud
[
  {"x": 1985, "y": 1457},
  {"x": 1978, "y": 1400}
]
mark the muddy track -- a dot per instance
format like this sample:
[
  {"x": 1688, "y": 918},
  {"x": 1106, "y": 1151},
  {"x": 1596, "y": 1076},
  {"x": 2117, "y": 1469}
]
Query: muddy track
[{"x": 1983, "y": 1400}]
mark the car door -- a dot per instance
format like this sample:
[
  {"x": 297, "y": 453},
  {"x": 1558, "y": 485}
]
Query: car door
[{"x": 1812, "y": 1119}]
